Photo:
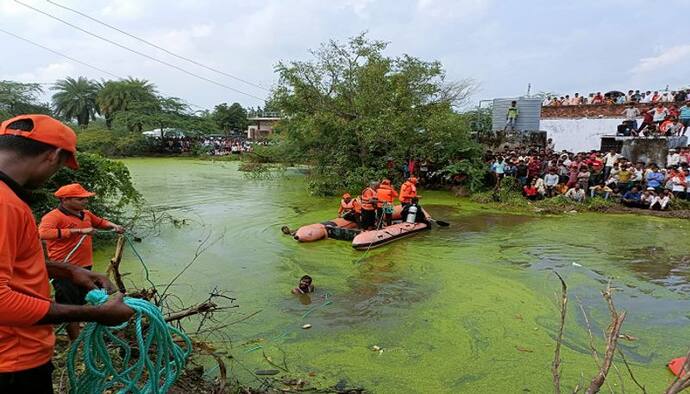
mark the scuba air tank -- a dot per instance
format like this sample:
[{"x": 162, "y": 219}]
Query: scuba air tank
[{"x": 411, "y": 214}]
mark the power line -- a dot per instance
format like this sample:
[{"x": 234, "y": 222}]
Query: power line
[
  {"x": 60, "y": 54},
  {"x": 137, "y": 52},
  {"x": 157, "y": 46},
  {"x": 72, "y": 59}
]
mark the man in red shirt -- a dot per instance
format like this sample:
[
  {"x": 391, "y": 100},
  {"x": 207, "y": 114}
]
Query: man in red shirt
[
  {"x": 67, "y": 231},
  {"x": 32, "y": 149}
]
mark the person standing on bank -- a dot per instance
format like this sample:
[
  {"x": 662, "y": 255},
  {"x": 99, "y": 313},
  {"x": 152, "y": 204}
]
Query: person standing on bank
[
  {"x": 68, "y": 231},
  {"x": 32, "y": 149},
  {"x": 511, "y": 116}
]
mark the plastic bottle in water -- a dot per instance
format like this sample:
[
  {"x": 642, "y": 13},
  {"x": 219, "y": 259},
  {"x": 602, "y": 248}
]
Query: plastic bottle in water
[{"x": 411, "y": 214}]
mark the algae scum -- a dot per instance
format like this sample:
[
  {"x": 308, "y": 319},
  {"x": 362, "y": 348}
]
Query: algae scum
[{"x": 470, "y": 308}]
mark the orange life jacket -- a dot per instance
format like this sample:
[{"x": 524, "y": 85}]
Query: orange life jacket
[
  {"x": 357, "y": 205},
  {"x": 408, "y": 190},
  {"x": 368, "y": 199},
  {"x": 386, "y": 193},
  {"x": 346, "y": 206}
]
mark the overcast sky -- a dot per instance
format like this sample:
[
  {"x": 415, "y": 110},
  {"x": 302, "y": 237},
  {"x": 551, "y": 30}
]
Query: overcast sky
[{"x": 557, "y": 46}]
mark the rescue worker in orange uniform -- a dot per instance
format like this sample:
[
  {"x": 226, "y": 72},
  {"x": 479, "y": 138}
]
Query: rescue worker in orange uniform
[
  {"x": 386, "y": 195},
  {"x": 347, "y": 208},
  {"x": 67, "y": 231},
  {"x": 408, "y": 191},
  {"x": 369, "y": 205},
  {"x": 32, "y": 149}
]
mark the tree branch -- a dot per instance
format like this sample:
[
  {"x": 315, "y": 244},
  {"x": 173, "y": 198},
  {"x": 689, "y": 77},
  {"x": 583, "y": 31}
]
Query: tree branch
[
  {"x": 556, "y": 365},
  {"x": 114, "y": 266},
  {"x": 611, "y": 342}
]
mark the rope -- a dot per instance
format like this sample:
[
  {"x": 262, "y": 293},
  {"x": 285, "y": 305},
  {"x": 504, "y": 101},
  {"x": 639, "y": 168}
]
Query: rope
[
  {"x": 158, "y": 365},
  {"x": 146, "y": 269}
]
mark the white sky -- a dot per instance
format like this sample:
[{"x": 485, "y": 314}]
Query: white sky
[{"x": 557, "y": 46}]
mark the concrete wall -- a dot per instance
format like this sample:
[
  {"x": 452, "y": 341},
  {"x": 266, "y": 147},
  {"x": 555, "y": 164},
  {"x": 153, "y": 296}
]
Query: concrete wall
[
  {"x": 646, "y": 150},
  {"x": 579, "y": 135}
]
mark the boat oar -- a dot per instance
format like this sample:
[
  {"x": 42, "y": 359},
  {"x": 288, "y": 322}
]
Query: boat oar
[{"x": 439, "y": 222}]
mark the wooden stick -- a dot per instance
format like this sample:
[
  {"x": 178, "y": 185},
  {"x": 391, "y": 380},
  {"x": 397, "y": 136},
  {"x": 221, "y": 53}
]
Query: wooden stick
[
  {"x": 114, "y": 267},
  {"x": 611, "y": 343},
  {"x": 204, "y": 307},
  {"x": 556, "y": 365}
]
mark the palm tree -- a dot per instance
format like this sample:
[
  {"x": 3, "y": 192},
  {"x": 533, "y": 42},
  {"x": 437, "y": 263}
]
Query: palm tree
[
  {"x": 76, "y": 98},
  {"x": 118, "y": 96}
]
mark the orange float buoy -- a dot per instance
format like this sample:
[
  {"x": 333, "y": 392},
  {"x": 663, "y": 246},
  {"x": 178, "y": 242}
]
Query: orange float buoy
[{"x": 676, "y": 366}]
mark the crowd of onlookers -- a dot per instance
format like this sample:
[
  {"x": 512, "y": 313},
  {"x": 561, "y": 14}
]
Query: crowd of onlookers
[
  {"x": 657, "y": 120},
  {"x": 211, "y": 145},
  {"x": 543, "y": 173},
  {"x": 633, "y": 96}
]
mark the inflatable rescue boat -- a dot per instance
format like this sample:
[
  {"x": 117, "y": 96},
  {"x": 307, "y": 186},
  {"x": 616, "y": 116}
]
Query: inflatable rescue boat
[
  {"x": 318, "y": 231},
  {"x": 375, "y": 238},
  {"x": 337, "y": 228}
]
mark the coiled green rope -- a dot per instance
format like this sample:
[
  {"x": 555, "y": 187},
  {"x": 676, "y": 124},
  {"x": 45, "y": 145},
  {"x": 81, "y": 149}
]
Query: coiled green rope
[{"x": 158, "y": 365}]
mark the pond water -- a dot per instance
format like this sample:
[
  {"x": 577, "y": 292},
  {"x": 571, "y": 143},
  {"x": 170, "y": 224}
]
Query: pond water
[{"x": 469, "y": 308}]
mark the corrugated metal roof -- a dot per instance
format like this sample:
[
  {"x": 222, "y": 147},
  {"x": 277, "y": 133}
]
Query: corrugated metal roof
[{"x": 529, "y": 113}]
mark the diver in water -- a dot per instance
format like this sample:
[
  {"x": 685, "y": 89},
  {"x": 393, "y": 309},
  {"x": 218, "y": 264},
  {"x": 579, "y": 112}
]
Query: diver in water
[{"x": 305, "y": 286}]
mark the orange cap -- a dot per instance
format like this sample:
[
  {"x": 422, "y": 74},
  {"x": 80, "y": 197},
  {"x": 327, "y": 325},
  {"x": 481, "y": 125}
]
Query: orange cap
[
  {"x": 73, "y": 190},
  {"x": 347, "y": 195},
  {"x": 386, "y": 182},
  {"x": 47, "y": 130},
  {"x": 412, "y": 179}
]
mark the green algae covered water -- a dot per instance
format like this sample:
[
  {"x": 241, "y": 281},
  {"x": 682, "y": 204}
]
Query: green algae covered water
[{"x": 472, "y": 308}]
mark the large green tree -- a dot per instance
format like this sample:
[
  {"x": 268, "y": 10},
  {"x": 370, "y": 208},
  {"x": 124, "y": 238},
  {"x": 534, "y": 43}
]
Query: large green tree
[
  {"x": 351, "y": 110},
  {"x": 131, "y": 93},
  {"x": 233, "y": 117},
  {"x": 21, "y": 98},
  {"x": 76, "y": 99}
]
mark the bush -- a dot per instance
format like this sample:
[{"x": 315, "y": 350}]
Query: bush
[{"x": 113, "y": 143}]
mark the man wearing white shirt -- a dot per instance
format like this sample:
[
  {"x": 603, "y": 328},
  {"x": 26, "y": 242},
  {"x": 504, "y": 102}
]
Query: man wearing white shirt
[
  {"x": 673, "y": 158},
  {"x": 609, "y": 160},
  {"x": 631, "y": 113}
]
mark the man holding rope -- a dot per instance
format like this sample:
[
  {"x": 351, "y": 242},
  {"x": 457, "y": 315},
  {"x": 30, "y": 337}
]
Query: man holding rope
[
  {"x": 32, "y": 149},
  {"x": 67, "y": 231}
]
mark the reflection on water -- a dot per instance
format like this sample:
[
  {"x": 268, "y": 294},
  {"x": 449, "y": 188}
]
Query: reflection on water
[{"x": 658, "y": 266}]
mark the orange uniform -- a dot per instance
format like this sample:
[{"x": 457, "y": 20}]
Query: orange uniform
[
  {"x": 24, "y": 286},
  {"x": 357, "y": 205},
  {"x": 369, "y": 199},
  {"x": 408, "y": 190},
  {"x": 386, "y": 193},
  {"x": 55, "y": 230},
  {"x": 346, "y": 206}
]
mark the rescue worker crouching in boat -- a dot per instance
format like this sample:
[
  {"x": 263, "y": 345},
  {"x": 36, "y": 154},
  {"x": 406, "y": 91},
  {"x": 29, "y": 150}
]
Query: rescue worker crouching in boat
[
  {"x": 369, "y": 205},
  {"x": 420, "y": 216},
  {"x": 386, "y": 196},
  {"x": 408, "y": 191},
  {"x": 348, "y": 208}
]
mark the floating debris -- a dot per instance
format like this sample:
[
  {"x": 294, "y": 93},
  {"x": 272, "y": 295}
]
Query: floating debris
[
  {"x": 266, "y": 372},
  {"x": 576, "y": 264},
  {"x": 306, "y": 326}
]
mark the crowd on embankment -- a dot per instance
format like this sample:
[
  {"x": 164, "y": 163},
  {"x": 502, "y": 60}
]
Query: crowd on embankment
[
  {"x": 543, "y": 173},
  {"x": 210, "y": 145},
  {"x": 616, "y": 97}
]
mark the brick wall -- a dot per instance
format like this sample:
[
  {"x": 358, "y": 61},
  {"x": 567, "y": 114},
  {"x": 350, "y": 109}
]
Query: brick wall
[{"x": 588, "y": 111}]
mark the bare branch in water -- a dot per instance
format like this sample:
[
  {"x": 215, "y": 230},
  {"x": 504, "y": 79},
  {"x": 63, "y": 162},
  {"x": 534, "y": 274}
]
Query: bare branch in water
[
  {"x": 632, "y": 376},
  {"x": 203, "y": 246},
  {"x": 114, "y": 266},
  {"x": 612, "y": 336},
  {"x": 556, "y": 365}
]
